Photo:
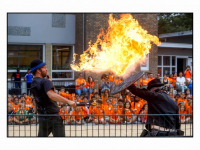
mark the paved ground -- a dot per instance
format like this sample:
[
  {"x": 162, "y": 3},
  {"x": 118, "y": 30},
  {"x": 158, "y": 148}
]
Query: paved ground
[{"x": 89, "y": 130}]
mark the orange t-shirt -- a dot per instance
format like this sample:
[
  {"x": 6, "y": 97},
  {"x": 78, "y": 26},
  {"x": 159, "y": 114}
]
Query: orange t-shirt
[
  {"x": 127, "y": 98},
  {"x": 170, "y": 80},
  {"x": 108, "y": 109},
  {"x": 135, "y": 83},
  {"x": 115, "y": 113},
  {"x": 184, "y": 101},
  {"x": 98, "y": 111},
  {"x": 15, "y": 108},
  {"x": 111, "y": 78},
  {"x": 190, "y": 110},
  {"x": 117, "y": 81},
  {"x": 77, "y": 113},
  {"x": 62, "y": 114},
  {"x": 143, "y": 102},
  {"x": 128, "y": 112},
  {"x": 91, "y": 85},
  {"x": 91, "y": 110},
  {"x": 79, "y": 100},
  {"x": 187, "y": 74},
  {"x": 80, "y": 81},
  {"x": 84, "y": 110},
  {"x": 143, "y": 82},
  {"x": 144, "y": 117},
  {"x": 114, "y": 101},
  {"x": 104, "y": 100},
  {"x": 120, "y": 110},
  {"x": 182, "y": 114},
  {"x": 149, "y": 79},
  {"x": 66, "y": 95},
  {"x": 138, "y": 106}
]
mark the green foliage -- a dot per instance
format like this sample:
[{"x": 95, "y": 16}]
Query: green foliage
[{"x": 175, "y": 22}]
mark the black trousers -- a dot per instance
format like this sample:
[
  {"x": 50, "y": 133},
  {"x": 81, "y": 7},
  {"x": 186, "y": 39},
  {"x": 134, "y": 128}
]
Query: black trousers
[
  {"x": 158, "y": 133},
  {"x": 28, "y": 88},
  {"x": 50, "y": 124}
]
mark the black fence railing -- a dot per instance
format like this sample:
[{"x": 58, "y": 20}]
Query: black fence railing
[{"x": 103, "y": 126}]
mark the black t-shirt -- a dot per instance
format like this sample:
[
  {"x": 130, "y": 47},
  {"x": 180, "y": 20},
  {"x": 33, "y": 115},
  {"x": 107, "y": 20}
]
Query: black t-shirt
[
  {"x": 17, "y": 76},
  {"x": 39, "y": 88},
  {"x": 159, "y": 103}
]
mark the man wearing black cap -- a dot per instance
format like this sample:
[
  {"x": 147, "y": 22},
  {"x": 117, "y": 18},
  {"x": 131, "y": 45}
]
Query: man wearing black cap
[
  {"x": 46, "y": 101},
  {"x": 158, "y": 103}
]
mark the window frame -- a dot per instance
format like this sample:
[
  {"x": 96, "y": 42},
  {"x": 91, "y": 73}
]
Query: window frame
[{"x": 147, "y": 67}]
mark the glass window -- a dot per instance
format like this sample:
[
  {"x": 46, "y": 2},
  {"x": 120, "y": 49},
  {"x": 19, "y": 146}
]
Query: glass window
[
  {"x": 173, "y": 60},
  {"x": 62, "y": 57},
  {"x": 166, "y": 70},
  {"x": 20, "y": 56},
  {"x": 62, "y": 75},
  {"x": 166, "y": 60},
  {"x": 173, "y": 70},
  {"x": 159, "y": 60}
]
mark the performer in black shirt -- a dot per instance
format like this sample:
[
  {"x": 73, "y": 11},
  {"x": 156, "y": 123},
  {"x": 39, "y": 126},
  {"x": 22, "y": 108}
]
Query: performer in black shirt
[
  {"x": 158, "y": 103},
  {"x": 46, "y": 101}
]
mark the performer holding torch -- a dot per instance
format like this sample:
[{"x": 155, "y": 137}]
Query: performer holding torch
[{"x": 46, "y": 101}]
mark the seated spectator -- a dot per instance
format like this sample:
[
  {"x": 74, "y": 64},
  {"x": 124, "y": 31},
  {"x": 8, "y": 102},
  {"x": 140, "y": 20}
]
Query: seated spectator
[
  {"x": 158, "y": 76},
  {"x": 128, "y": 112},
  {"x": 188, "y": 73},
  {"x": 91, "y": 109},
  {"x": 128, "y": 97},
  {"x": 62, "y": 89},
  {"x": 111, "y": 77},
  {"x": 105, "y": 96},
  {"x": 115, "y": 119},
  {"x": 89, "y": 86},
  {"x": 76, "y": 119},
  {"x": 183, "y": 99},
  {"x": 27, "y": 98},
  {"x": 180, "y": 83},
  {"x": 21, "y": 118},
  {"x": 176, "y": 98},
  {"x": 16, "y": 104},
  {"x": 143, "y": 82},
  {"x": 114, "y": 99},
  {"x": 102, "y": 79},
  {"x": 136, "y": 105},
  {"x": 64, "y": 114},
  {"x": 96, "y": 95},
  {"x": 171, "y": 80},
  {"x": 108, "y": 109},
  {"x": 92, "y": 94},
  {"x": 105, "y": 84},
  {"x": 80, "y": 85},
  {"x": 120, "y": 106},
  {"x": 10, "y": 113},
  {"x": 171, "y": 90},
  {"x": 150, "y": 77},
  {"x": 85, "y": 109},
  {"x": 99, "y": 110},
  {"x": 187, "y": 93},
  {"x": 10, "y": 99},
  {"x": 190, "y": 109},
  {"x": 22, "y": 98},
  {"x": 171, "y": 95},
  {"x": 144, "y": 112},
  {"x": 78, "y": 98},
  {"x": 165, "y": 81},
  {"x": 117, "y": 81},
  {"x": 32, "y": 112},
  {"x": 183, "y": 113}
]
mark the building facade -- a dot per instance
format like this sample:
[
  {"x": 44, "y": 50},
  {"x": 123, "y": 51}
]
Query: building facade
[{"x": 55, "y": 37}]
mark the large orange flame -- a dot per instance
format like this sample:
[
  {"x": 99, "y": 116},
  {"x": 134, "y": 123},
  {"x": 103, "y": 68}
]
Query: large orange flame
[{"x": 124, "y": 44}]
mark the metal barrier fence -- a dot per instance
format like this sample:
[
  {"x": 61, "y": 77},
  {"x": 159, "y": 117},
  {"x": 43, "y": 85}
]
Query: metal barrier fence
[{"x": 29, "y": 126}]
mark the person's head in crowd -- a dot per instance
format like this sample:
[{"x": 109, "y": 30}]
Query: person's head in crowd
[
  {"x": 63, "y": 107},
  {"x": 9, "y": 98},
  {"x": 114, "y": 99},
  {"x": 77, "y": 108},
  {"x": 111, "y": 73},
  {"x": 175, "y": 74},
  {"x": 144, "y": 77},
  {"x": 182, "y": 107},
  {"x": 117, "y": 95},
  {"x": 121, "y": 78},
  {"x": 188, "y": 99},
  {"x": 93, "y": 104},
  {"x": 80, "y": 75},
  {"x": 28, "y": 70},
  {"x": 132, "y": 98},
  {"x": 90, "y": 79},
  {"x": 171, "y": 95},
  {"x": 106, "y": 78},
  {"x": 103, "y": 76},
  {"x": 171, "y": 89},
  {"x": 81, "y": 97},
  {"x": 93, "y": 98},
  {"x": 96, "y": 95},
  {"x": 24, "y": 103},
  {"x": 158, "y": 76},
  {"x": 128, "y": 105},
  {"x": 99, "y": 103},
  {"x": 187, "y": 92},
  {"x": 94, "y": 91},
  {"x": 177, "y": 96},
  {"x": 62, "y": 89},
  {"x": 75, "y": 100},
  {"x": 10, "y": 106},
  {"x": 188, "y": 68},
  {"x": 137, "y": 99},
  {"x": 190, "y": 103},
  {"x": 14, "y": 96},
  {"x": 182, "y": 95},
  {"x": 115, "y": 107},
  {"x": 77, "y": 96},
  {"x": 22, "y": 98},
  {"x": 21, "y": 106},
  {"x": 33, "y": 101},
  {"x": 165, "y": 76},
  {"x": 128, "y": 93},
  {"x": 150, "y": 75},
  {"x": 180, "y": 74},
  {"x": 110, "y": 97},
  {"x": 108, "y": 102},
  {"x": 171, "y": 75},
  {"x": 106, "y": 93},
  {"x": 120, "y": 103},
  {"x": 85, "y": 99},
  {"x": 146, "y": 107},
  {"x": 18, "y": 70},
  {"x": 25, "y": 95},
  {"x": 16, "y": 100}
]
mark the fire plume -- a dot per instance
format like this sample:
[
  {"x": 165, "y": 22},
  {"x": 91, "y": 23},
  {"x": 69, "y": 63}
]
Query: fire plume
[{"x": 122, "y": 45}]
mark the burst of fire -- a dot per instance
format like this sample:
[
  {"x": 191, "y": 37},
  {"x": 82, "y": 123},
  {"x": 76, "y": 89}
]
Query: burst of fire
[{"x": 123, "y": 44}]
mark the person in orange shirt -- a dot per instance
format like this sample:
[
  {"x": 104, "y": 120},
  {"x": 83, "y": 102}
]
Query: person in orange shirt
[
  {"x": 128, "y": 112},
  {"x": 111, "y": 77},
  {"x": 102, "y": 79},
  {"x": 92, "y": 94},
  {"x": 143, "y": 82},
  {"x": 128, "y": 97},
  {"x": 10, "y": 99},
  {"x": 76, "y": 119},
  {"x": 190, "y": 110},
  {"x": 187, "y": 93},
  {"x": 188, "y": 73},
  {"x": 117, "y": 81},
  {"x": 16, "y": 104},
  {"x": 80, "y": 84},
  {"x": 78, "y": 98},
  {"x": 150, "y": 77},
  {"x": 120, "y": 106},
  {"x": 176, "y": 98},
  {"x": 26, "y": 97},
  {"x": 89, "y": 86},
  {"x": 64, "y": 114},
  {"x": 99, "y": 111},
  {"x": 136, "y": 106},
  {"x": 108, "y": 109},
  {"x": 183, "y": 99},
  {"x": 183, "y": 113},
  {"x": 91, "y": 109},
  {"x": 85, "y": 109},
  {"x": 144, "y": 112},
  {"x": 115, "y": 119},
  {"x": 171, "y": 95},
  {"x": 105, "y": 96}
]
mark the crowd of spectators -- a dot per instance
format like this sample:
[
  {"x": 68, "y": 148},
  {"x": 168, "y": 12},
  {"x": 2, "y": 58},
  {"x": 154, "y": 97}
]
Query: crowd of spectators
[{"x": 100, "y": 102}]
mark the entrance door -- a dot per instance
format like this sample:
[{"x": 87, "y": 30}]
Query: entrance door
[{"x": 181, "y": 65}]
